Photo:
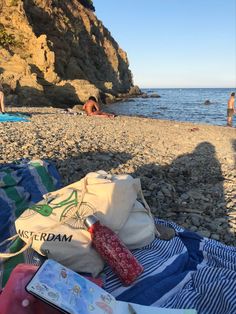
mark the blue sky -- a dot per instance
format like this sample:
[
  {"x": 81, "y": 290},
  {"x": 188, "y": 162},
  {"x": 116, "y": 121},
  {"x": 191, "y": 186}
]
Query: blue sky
[{"x": 175, "y": 43}]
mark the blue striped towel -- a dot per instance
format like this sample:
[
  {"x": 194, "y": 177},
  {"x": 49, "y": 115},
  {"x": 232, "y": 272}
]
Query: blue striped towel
[
  {"x": 22, "y": 184},
  {"x": 188, "y": 272}
]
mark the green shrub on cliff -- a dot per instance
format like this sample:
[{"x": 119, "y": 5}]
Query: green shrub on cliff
[
  {"x": 13, "y": 3},
  {"x": 6, "y": 40},
  {"x": 87, "y": 4}
]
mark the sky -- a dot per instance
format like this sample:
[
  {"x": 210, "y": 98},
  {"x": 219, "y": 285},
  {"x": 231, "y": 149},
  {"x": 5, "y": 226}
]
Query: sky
[{"x": 175, "y": 43}]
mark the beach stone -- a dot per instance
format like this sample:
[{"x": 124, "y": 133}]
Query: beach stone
[
  {"x": 154, "y": 95},
  {"x": 154, "y": 210},
  {"x": 215, "y": 236},
  {"x": 184, "y": 196},
  {"x": 196, "y": 220},
  {"x": 182, "y": 184},
  {"x": 147, "y": 193},
  {"x": 166, "y": 190},
  {"x": 166, "y": 233},
  {"x": 212, "y": 226},
  {"x": 193, "y": 228},
  {"x": 230, "y": 203},
  {"x": 153, "y": 186},
  {"x": 205, "y": 233},
  {"x": 135, "y": 90},
  {"x": 196, "y": 195}
]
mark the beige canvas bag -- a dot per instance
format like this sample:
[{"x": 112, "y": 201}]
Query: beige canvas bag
[
  {"x": 139, "y": 229},
  {"x": 54, "y": 227}
]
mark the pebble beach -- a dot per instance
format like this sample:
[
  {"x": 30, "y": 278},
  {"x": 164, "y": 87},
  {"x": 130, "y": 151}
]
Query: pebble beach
[{"x": 187, "y": 171}]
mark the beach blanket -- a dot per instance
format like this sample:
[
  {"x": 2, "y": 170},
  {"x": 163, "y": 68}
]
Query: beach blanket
[
  {"x": 22, "y": 184},
  {"x": 16, "y": 117},
  {"x": 188, "y": 271}
]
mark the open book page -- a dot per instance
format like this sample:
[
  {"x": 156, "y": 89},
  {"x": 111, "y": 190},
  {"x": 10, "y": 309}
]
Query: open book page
[{"x": 123, "y": 308}]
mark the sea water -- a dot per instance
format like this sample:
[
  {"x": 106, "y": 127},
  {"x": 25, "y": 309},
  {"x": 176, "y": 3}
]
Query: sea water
[{"x": 180, "y": 104}]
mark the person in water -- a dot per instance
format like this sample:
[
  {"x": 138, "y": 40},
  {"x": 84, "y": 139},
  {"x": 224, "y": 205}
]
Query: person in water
[
  {"x": 2, "y": 104},
  {"x": 92, "y": 108},
  {"x": 231, "y": 110}
]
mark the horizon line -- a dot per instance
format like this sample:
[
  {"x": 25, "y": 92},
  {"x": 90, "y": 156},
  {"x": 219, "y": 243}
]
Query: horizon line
[{"x": 145, "y": 87}]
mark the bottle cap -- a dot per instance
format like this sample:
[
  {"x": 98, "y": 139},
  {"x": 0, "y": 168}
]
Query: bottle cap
[{"x": 90, "y": 220}]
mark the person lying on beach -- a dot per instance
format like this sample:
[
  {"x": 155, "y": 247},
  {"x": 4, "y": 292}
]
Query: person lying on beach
[
  {"x": 2, "y": 104},
  {"x": 92, "y": 108},
  {"x": 230, "y": 109}
]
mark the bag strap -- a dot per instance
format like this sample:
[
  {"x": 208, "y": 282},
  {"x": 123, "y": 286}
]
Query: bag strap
[
  {"x": 30, "y": 240},
  {"x": 24, "y": 248},
  {"x": 148, "y": 210}
]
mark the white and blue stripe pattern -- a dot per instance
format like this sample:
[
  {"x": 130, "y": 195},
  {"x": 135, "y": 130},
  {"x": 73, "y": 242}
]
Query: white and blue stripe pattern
[{"x": 186, "y": 272}]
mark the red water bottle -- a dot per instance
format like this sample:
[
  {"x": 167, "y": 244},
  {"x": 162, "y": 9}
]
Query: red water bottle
[{"x": 113, "y": 251}]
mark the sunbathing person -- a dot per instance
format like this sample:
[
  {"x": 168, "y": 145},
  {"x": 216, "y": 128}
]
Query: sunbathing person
[
  {"x": 92, "y": 108},
  {"x": 2, "y": 105}
]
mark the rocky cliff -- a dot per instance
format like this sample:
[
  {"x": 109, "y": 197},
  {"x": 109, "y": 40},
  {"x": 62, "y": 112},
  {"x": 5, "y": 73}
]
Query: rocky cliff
[{"x": 58, "y": 53}]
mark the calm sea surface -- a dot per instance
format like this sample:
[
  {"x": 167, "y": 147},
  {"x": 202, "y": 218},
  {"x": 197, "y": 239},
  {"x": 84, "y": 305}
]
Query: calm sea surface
[{"x": 184, "y": 104}]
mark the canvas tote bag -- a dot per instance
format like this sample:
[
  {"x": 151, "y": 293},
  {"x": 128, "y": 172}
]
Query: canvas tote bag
[
  {"x": 54, "y": 227},
  {"x": 139, "y": 229}
]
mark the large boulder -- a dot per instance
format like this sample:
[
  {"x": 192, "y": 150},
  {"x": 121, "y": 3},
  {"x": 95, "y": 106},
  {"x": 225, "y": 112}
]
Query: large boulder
[{"x": 135, "y": 90}]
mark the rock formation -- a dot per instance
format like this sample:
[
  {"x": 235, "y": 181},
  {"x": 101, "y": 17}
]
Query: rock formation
[{"x": 58, "y": 53}]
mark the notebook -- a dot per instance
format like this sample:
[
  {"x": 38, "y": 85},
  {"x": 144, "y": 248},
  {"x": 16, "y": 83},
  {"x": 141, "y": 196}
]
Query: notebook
[{"x": 71, "y": 293}]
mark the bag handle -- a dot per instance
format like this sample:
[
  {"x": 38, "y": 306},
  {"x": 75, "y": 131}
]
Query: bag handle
[
  {"x": 24, "y": 248},
  {"x": 146, "y": 206},
  {"x": 30, "y": 240}
]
